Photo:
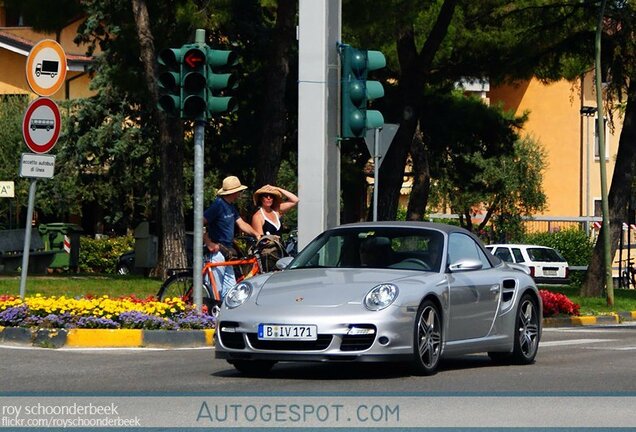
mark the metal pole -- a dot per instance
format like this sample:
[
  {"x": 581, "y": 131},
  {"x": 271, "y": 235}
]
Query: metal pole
[
  {"x": 620, "y": 261},
  {"x": 587, "y": 182},
  {"x": 27, "y": 239},
  {"x": 197, "y": 242},
  {"x": 601, "y": 149},
  {"x": 376, "y": 172}
]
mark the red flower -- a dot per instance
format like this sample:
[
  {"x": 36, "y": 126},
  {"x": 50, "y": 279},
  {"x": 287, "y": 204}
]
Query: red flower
[{"x": 557, "y": 304}]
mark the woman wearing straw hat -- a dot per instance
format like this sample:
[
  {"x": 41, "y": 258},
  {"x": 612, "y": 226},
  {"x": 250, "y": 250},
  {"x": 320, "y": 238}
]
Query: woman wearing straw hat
[
  {"x": 269, "y": 199},
  {"x": 221, "y": 218}
]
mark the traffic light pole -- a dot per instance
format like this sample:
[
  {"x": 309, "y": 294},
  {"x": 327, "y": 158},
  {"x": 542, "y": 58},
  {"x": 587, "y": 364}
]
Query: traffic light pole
[
  {"x": 376, "y": 171},
  {"x": 197, "y": 244}
]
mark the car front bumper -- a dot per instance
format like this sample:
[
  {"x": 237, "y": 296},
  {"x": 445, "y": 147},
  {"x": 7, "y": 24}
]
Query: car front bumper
[{"x": 388, "y": 336}]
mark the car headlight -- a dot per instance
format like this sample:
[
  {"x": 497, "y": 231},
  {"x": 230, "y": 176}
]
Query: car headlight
[
  {"x": 381, "y": 297},
  {"x": 238, "y": 294}
]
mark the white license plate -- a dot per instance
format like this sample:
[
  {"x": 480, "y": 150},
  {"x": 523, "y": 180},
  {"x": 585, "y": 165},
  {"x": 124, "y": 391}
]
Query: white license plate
[
  {"x": 550, "y": 272},
  {"x": 287, "y": 332}
]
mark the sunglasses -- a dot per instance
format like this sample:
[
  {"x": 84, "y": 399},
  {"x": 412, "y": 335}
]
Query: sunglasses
[{"x": 268, "y": 196}]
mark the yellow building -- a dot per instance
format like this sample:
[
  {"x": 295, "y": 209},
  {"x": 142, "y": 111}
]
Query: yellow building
[
  {"x": 16, "y": 41},
  {"x": 562, "y": 118}
]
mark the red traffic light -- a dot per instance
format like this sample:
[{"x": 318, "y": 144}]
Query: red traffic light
[{"x": 194, "y": 58}]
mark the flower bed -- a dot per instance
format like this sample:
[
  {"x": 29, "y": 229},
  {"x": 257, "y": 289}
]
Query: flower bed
[
  {"x": 101, "y": 312},
  {"x": 557, "y": 304}
]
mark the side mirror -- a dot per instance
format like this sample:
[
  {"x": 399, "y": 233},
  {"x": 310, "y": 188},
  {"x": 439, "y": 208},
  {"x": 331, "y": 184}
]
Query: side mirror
[
  {"x": 465, "y": 265},
  {"x": 282, "y": 263}
]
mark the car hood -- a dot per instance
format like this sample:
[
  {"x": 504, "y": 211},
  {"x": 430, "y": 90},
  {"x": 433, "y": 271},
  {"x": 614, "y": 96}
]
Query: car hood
[{"x": 327, "y": 287}]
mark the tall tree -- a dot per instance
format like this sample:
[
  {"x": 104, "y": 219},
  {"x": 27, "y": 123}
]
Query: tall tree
[
  {"x": 619, "y": 70},
  {"x": 172, "y": 253},
  {"x": 274, "y": 109}
]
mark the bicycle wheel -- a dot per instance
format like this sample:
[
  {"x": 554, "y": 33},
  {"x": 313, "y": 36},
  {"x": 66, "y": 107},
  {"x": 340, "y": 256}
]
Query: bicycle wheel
[{"x": 177, "y": 285}]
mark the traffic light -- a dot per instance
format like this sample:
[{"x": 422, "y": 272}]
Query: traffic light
[
  {"x": 169, "y": 81},
  {"x": 357, "y": 91},
  {"x": 194, "y": 82},
  {"x": 217, "y": 82}
]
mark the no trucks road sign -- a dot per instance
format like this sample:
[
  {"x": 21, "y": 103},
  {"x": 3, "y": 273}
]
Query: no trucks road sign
[
  {"x": 46, "y": 67},
  {"x": 41, "y": 125}
]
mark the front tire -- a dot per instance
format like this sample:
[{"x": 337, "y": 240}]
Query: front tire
[{"x": 427, "y": 339}]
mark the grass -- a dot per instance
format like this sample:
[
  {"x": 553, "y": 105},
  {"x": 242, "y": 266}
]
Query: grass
[
  {"x": 142, "y": 287},
  {"x": 80, "y": 285}
]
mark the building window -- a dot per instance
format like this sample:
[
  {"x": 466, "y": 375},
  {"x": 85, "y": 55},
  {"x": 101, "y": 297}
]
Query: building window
[
  {"x": 598, "y": 207},
  {"x": 596, "y": 135}
]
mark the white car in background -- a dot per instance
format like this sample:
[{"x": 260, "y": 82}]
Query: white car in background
[{"x": 546, "y": 264}]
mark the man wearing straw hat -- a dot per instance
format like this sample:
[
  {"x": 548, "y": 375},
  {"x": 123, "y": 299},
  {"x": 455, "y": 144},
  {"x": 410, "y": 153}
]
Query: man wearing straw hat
[{"x": 221, "y": 218}]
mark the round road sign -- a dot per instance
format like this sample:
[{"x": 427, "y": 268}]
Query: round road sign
[
  {"x": 41, "y": 125},
  {"x": 46, "y": 67}
]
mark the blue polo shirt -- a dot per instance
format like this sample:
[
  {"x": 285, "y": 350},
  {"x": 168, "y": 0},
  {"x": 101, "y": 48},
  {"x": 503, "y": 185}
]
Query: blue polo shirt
[{"x": 221, "y": 217}]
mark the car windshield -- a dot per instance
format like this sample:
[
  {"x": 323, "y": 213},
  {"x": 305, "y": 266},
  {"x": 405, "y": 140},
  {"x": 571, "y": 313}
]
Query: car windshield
[
  {"x": 544, "y": 255},
  {"x": 364, "y": 247}
]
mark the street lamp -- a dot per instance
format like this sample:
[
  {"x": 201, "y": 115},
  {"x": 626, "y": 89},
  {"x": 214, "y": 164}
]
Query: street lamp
[{"x": 589, "y": 112}]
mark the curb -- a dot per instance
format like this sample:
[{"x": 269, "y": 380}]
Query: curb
[
  {"x": 577, "y": 321},
  {"x": 107, "y": 338}
]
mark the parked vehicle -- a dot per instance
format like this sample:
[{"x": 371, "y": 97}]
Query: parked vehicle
[
  {"x": 126, "y": 263},
  {"x": 546, "y": 264},
  {"x": 409, "y": 292}
]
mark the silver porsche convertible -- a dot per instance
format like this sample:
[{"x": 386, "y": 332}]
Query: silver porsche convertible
[{"x": 411, "y": 292}]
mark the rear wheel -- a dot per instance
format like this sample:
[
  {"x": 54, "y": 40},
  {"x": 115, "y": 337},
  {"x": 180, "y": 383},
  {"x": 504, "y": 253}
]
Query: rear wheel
[
  {"x": 427, "y": 339},
  {"x": 526, "y": 331},
  {"x": 177, "y": 285}
]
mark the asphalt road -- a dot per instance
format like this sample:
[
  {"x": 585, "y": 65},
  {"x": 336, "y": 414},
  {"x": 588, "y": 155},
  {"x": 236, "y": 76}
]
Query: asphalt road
[{"x": 581, "y": 359}]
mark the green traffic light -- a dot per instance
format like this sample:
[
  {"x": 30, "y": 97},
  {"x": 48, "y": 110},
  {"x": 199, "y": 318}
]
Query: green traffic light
[
  {"x": 375, "y": 60},
  {"x": 357, "y": 91},
  {"x": 218, "y": 81},
  {"x": 169, "y": 81}
]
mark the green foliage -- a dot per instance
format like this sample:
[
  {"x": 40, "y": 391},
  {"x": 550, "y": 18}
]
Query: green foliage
[
  {"x": 12, "y": 108},
  {"x": 288, "y": 179},
  {"x": 574, "y": 244},
  {"x": 100, "y": 255}
]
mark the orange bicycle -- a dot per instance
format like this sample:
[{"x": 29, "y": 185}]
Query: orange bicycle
[{"x": 180, "y": 282}]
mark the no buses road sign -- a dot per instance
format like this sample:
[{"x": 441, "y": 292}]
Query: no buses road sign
[
  {"x": 46, "y": 67},
  {"x": 41, "y": 125}
]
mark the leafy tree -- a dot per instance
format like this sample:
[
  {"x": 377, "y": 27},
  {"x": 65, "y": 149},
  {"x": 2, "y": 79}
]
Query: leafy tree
[
  {"x": 439, "y": 43},
  {"x": 462, "y": 137},
  {"x": 505, "y": 187},
  {"x": 12, "y": 110}
]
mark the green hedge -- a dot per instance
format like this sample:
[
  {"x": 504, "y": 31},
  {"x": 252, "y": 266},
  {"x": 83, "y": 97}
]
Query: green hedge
[{"x": 101, "y": 255}]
